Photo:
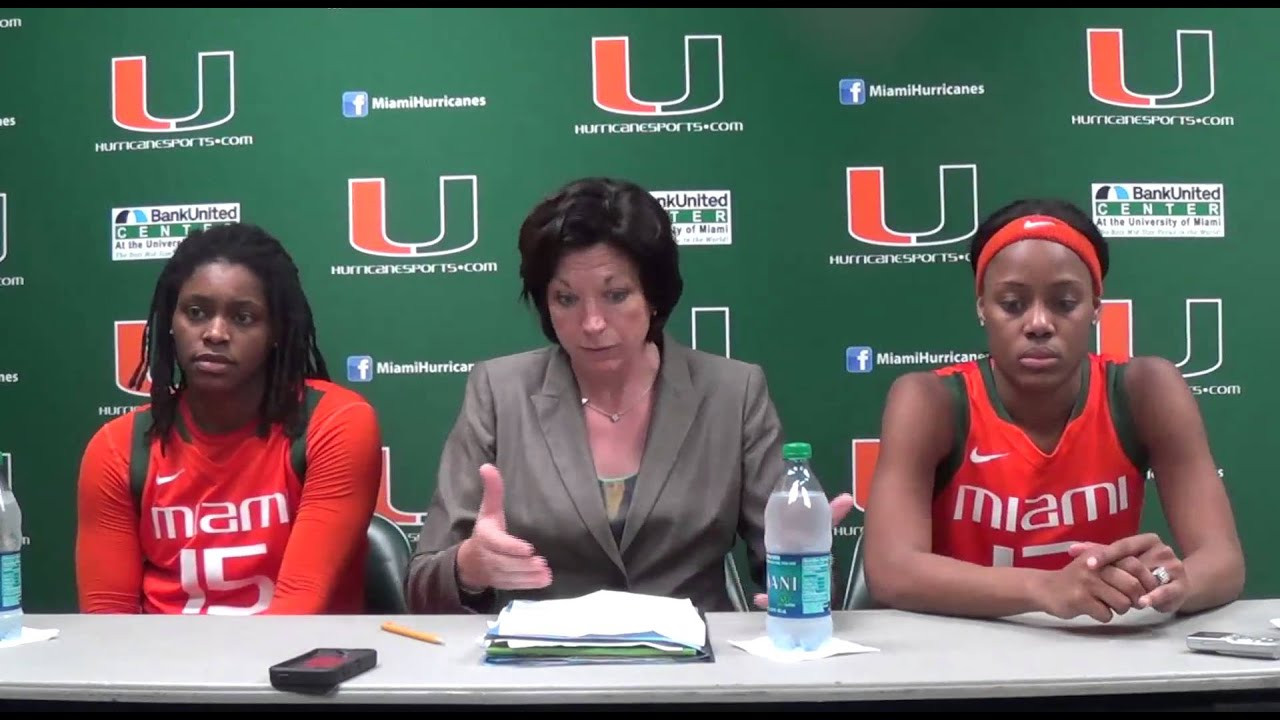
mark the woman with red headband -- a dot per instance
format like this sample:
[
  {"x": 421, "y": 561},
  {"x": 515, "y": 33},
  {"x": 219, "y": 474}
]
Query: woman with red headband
[{"x": 1015, "y": 483}]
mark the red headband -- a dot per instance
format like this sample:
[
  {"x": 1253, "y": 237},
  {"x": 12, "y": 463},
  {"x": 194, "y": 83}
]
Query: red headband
[{"x": 1041, "y": 227}]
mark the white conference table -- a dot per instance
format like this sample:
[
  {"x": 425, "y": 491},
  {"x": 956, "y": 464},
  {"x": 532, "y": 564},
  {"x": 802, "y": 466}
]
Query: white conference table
[{"x": 206, "y": 660}]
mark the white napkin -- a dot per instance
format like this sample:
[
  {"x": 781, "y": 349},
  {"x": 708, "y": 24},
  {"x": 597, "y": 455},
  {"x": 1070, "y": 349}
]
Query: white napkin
[
  {"x": 1275, "y": 622},
  {"x": 764, "y": 647},
  {"x": 30, "y": 635}
]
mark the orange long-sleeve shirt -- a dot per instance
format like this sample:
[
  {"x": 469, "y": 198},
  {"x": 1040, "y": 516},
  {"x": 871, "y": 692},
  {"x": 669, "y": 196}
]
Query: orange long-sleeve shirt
[{"x": 225, "y": 526}]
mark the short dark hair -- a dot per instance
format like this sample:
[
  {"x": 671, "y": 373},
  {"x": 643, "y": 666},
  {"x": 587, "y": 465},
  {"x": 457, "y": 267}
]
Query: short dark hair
[
  {"x": 1053, "y": 207},
  {"x": 609, "y": 210},
  {"x": 296, "y": 355}
]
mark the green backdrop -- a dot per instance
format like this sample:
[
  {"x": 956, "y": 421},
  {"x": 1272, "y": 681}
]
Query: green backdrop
[{"x": 821, "y": 165}]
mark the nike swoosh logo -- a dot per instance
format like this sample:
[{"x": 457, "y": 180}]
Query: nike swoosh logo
[
  {"x": 164, "y": 479},
  {"x": 1033, "y": 224},
  {"x": 979, "y": 458}
]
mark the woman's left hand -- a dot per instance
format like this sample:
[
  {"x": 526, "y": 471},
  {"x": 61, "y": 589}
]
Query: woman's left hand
[
  {"x": 1172, "y": 587},
  {"x": 840, "y": 507}
]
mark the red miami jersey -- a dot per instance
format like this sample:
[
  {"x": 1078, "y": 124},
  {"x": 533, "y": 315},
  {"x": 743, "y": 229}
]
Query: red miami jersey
[
  {"x": 223, "y": 524},
  {"x": 1001, "y": 501}
]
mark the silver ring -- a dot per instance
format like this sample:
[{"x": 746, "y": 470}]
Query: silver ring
[{"x": 1162, "y": 575}]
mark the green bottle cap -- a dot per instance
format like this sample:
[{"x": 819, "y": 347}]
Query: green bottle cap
[{"x": 797, "y": 451}]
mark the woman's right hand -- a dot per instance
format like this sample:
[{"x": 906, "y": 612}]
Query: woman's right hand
[{"x": 493, "y": 558}]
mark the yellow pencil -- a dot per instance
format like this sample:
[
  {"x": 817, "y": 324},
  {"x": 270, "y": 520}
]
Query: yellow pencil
[{"x": 411, "y": 633}]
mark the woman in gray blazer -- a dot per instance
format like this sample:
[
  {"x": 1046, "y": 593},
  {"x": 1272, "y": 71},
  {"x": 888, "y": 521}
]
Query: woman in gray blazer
[{"x": 616, "y": 458}]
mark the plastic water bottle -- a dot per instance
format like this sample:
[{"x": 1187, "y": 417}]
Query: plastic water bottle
[
  {"x": 10, "y": 556},
  {"x": 797, "y": 539}
]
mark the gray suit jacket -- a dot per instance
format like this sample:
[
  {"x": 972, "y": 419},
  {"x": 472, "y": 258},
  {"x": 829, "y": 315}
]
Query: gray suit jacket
[{"x": 713, "y": 456}]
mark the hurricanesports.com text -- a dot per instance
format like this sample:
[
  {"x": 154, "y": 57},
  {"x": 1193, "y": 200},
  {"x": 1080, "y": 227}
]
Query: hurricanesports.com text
[
  {"x": 173, "y": 143},
  {"x": 905, "y": 258},
  {"x": 1164, "y": 120},
  {"x": 415, "y": 269},
  {"x": 1215, "y": 389},
  {"x": 116, "y": 410},
  {"x": 676, "y": 126}
]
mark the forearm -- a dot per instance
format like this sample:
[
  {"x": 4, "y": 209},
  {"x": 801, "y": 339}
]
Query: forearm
[
  {"x": 1215, "y": 576},
  {"x": 927, "y": 582},
  {"x": 108, "y": 602},
  {"x": 107, "y": 582}
]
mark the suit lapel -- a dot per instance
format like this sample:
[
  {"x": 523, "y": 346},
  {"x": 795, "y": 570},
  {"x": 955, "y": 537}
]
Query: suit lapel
[
  {"x": 559, "y": 413},
  {"x": 668, "y": 428}
]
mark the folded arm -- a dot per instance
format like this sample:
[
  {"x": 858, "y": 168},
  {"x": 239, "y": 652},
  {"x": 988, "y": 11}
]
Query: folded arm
[
  {"x": 901, "y": 568},
  {"x": 1194, "y": 498}
]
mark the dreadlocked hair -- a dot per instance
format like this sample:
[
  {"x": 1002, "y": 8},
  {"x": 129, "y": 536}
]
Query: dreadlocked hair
[{"x": 295, "y": 356}]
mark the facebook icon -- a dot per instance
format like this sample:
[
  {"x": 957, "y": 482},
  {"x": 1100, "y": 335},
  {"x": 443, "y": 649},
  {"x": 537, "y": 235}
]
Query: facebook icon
[
  {"x": 853, "y": 91},
  {"x": 359, "y": 368},
  {"x": 355, "y": 104},
  {"x": 859, "y": 359}
]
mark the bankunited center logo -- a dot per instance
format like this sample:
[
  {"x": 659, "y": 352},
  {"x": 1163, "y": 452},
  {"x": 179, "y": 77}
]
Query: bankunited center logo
[
  {"x": 654, "y": 101},
  {"x": 699, "y": 217},
  {"x": 910, "y": 238},
  {"x": 1159, "y": 210},
  {"x": 459, "y": 230},
  {"x": 1118, "y": 78},
  {"x": 153, "y": 232},
  {"x": 206, "y": 101}
]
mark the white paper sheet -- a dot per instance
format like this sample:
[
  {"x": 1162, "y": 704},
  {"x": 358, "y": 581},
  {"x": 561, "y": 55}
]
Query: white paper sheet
[
  {"x": 606, "y": 613},
  {"x": 29, "y": 635},
  {"x": 764, "y": 647}
]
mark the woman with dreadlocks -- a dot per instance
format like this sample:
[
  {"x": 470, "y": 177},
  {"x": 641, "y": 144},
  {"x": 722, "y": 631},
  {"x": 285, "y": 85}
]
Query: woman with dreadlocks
[{"x": 247, "y": 483}]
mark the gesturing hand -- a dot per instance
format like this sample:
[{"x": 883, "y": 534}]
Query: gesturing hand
[
  {"x": 840, "y": 507},
  {"x": 1140, "y": 557},
  {"x": 491, "y": 557}
]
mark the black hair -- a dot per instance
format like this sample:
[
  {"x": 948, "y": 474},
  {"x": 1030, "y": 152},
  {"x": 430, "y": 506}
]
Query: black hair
[
  {"x": 1053, "y": 207},
  {"x": 613, "y": 211},
  {"x": 294, "y": 356}
]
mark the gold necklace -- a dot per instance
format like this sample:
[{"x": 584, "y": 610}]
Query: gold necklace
[{"x": 615, "y": 417}]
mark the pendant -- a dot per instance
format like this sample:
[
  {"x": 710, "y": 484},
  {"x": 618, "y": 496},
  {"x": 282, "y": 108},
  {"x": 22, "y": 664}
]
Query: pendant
[{"x": 615, "y": 417}]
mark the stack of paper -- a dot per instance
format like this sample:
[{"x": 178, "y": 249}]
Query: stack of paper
[{"x": 604, "y": 627}]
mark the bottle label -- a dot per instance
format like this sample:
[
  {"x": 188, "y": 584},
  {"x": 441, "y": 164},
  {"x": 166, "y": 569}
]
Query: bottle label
[
  {"x": 799, "y": 585},
  {"x": 10, "y": 581}
]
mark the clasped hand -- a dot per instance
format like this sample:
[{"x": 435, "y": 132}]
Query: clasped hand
[{"x": 1139, "y": 571}]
